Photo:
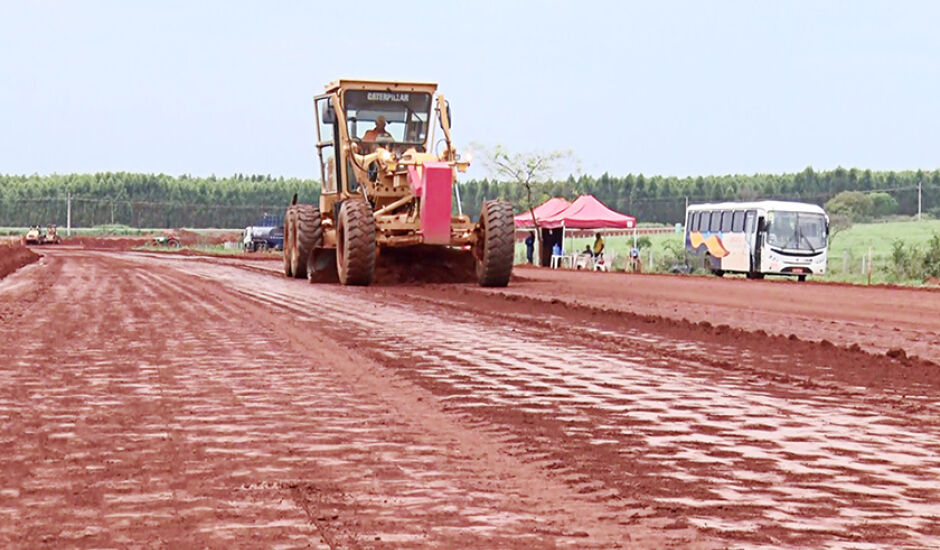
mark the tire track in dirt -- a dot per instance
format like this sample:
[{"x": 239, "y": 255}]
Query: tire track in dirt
[
  {"x": 758, "y": 463},
  {"x": 168, "y": 417}
]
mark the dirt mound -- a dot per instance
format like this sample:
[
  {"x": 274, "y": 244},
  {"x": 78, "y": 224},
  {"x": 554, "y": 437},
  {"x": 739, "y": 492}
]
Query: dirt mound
[
  {"x": 14, "y": 256},
  {"x": 424, "y": 264},
  {"x": 186, "y": 238},
  {"x": 207, "y": 238},
  {"x": 109, "y": 243}
]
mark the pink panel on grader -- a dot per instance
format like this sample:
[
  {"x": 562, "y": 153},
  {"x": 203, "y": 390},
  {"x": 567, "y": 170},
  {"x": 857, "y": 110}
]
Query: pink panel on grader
[{"x": 434, "y": 187}]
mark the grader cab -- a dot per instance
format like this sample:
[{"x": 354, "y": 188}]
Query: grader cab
[{"x": 388, "y": 180}]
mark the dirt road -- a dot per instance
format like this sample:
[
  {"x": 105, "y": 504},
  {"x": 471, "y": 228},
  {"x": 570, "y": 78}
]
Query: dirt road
[{"x": 167, "y": 401}]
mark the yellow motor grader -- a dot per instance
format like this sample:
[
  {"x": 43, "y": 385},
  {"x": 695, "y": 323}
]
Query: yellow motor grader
[
  {"x": 35, "y": 235},
  {"x": 387, "y": 181}
]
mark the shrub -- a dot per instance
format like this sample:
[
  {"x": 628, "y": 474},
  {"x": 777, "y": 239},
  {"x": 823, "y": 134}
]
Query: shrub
[
  {"x": 906, "y": 261},
  {"x": 931, "y": 257},
  {"x": 883, "y": 204},
  {"x": 854, "y": 205}
]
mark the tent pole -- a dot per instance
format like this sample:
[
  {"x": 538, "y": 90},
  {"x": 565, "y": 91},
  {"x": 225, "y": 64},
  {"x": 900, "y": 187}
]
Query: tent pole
[
  {"x": 564, "y": 245},
  {"x": 537, "y": 257}
]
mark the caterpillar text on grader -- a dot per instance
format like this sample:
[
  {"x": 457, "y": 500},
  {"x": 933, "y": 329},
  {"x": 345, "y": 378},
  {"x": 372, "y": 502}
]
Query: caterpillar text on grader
[{"x": 387, "y": 183}]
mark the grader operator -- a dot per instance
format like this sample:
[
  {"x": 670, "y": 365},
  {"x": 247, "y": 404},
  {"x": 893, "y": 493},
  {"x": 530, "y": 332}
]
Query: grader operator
[{"x": 389, "y": 181}]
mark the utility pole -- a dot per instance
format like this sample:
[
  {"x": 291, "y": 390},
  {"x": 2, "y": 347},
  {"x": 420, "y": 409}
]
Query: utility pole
[
  {"x": 68, "y": 214},
  {"x": 920, "y": 189}
]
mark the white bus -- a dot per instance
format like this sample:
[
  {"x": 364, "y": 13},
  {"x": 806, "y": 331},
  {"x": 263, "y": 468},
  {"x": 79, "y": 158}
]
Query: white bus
[{"x": 758, "y": 238}]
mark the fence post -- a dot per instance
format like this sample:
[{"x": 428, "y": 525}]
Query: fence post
[{"x": 869, "y": 265}]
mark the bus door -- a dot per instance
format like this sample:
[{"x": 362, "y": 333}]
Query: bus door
[{"x": 752, "y": 236}]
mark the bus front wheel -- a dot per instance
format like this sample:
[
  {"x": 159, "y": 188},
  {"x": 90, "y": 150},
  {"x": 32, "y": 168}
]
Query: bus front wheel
[{"x": 801, "y": 278}]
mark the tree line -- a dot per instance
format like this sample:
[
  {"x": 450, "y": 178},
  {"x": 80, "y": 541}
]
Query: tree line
[
  {"x": 159, "y": 200},
  {"x": 663, "y": 198},
  {"x": 146, "y": 200}
]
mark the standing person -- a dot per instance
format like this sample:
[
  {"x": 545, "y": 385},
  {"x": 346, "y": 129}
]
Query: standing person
[
  {"x": 635, "y": 260},
  {"x": 598, "y": 245},
  {"x": 529, "y": 247}
]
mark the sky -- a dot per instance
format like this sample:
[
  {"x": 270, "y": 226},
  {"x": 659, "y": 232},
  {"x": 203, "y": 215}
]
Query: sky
[{"x": 660, "y": 88}]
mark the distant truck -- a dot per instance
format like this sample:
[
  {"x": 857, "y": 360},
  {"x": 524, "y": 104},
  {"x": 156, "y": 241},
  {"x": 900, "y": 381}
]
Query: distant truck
[{"x": 266, "y": 234}]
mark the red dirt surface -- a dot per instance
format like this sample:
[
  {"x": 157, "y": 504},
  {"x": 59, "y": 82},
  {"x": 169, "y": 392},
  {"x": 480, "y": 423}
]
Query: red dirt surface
[
  {"x": 13, "y": 255},
  {"x": 424, "y": 264},
  {"x": 878, "y": 319},
  {"x": 215, "y": 403}
]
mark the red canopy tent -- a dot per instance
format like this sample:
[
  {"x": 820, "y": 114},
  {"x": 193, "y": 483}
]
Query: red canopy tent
[
  {"x": 586, "y": 212},
  {"x": 556, "y": 216},
  {"x": 547, "y": 209}
]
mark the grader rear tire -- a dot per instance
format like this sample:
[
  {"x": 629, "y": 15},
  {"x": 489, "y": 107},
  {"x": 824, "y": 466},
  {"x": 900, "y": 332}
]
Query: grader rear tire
[
  {"x": 321, "y": 262},
  {"x": 494, "y": 249},
  {"x": 355, "y": 243},
  {"x": 306, "y": 224},
  {"x": 288, "y": 241}
]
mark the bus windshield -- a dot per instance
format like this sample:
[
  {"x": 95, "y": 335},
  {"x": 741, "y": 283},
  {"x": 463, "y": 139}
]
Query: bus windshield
[{"x": 796, "y": 230}]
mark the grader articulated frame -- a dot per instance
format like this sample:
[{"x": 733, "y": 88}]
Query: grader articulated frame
[{"x": 384, "y": 185}]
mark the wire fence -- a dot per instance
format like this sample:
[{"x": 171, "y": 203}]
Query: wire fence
[{"x": 92, "y": 212}]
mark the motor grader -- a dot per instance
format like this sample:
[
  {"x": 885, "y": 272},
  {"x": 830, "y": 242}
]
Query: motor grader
[
  {"x": 35, "y": 235},
  {"x": 387, "y": 181},
  {"x": 52, "y": 235}
]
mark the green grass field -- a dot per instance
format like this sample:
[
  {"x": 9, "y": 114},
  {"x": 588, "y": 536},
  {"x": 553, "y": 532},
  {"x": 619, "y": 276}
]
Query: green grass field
[{"x": 845, "y": 253}]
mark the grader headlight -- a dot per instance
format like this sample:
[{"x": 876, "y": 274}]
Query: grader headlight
[{"x": 387, "y": 159}]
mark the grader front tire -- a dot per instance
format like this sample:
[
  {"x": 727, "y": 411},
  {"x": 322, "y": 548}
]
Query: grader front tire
[
  {"x": 355, "y": 243},
  {"x": 494, "y": 249}
]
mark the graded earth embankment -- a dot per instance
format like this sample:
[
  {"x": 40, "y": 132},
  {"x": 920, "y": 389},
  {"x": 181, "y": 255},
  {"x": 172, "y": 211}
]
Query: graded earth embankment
[{"x": 14, "y": 255}]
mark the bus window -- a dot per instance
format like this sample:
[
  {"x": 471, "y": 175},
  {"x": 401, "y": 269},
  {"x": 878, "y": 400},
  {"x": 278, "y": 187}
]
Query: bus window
[
  {"x": 737, "y": 223},
  {"x": 750, "y": 219},
  {"x": 726, "y": 221},
  {"x": 693, "y": 221},
  {"x": 715, "y": 225},
  {"x": 703, "y": 222}
]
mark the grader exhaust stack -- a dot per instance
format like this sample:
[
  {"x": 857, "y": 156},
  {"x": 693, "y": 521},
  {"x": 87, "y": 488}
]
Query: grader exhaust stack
[{"x": 387, "y": 183}]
